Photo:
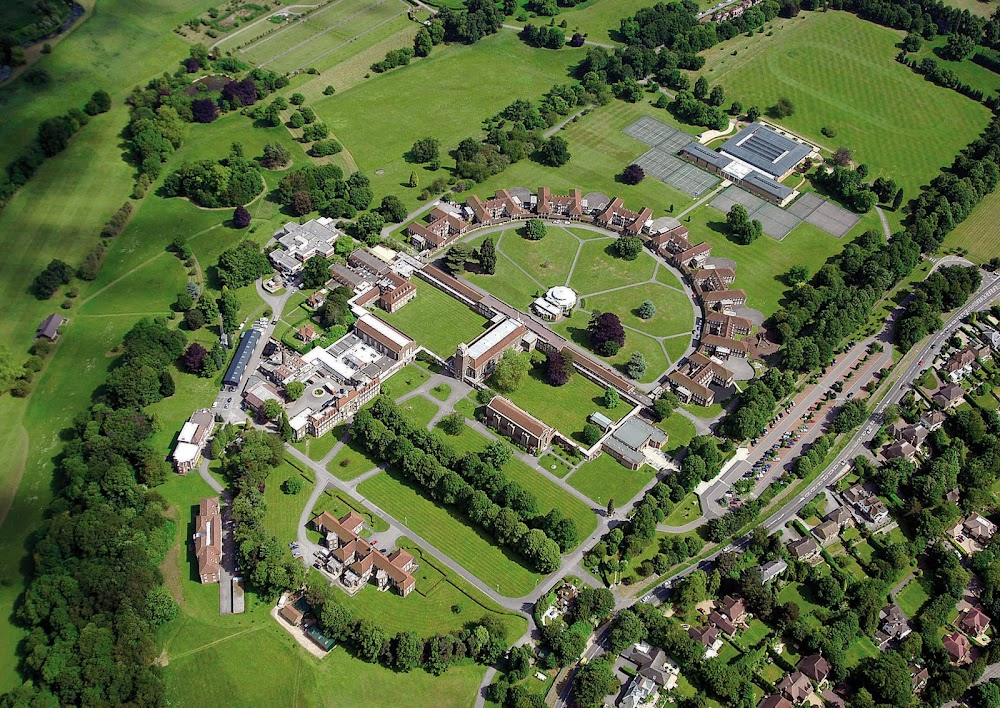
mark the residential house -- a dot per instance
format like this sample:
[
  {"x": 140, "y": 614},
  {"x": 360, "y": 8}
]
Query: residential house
[
  {"x": 735, "y": 608},
  {"x": 815, "y": 667},
  {"x": 867, "y": 503},
  {"x": 796, "y": 687},
  {"x": 840, "y": 516},
  {"x": 523, "y": 429},
  {"x": 49, "y": 327},
  {"x": 918, "y": 677},
  {"x": 949, "y": 396},
  {"x": 827, "y": 532},
  {"x": 724, "y": 347},
  {"x": 991, "y": 336},
  {"x": 900, "y": 450},
  {"x": 716, "y": 619},
  {"x": 771, "y": 570},
  {"x": 893, "y": 626},
  {"x": 832, "y": 699},
  {"x": 474, "y": 362},
  {"x": 915, "y": 435},
  {"x": 960, "y": 364},
  {"x": 307, "y": 333},
  {"x": 979, "y": 527},
  {"x": 640, "y": 691},
  {"x": 804, "y": 549},
  {"x": 652, "y": 663},
  {"x": 191, "y": 440},
  {"x": 629, "y": 442},
  {"x": 958, "y": 647},
  {"x": 208, "y": 540},
  {"x": 775, "y": 701},
  {"x": 708, "y": 637},
  {"x": 974, "y": 622},
  {"x": 932, "y": 420}
]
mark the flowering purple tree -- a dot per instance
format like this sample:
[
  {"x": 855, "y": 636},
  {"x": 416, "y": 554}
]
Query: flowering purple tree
[
  {"x": 240, "y": 93},
  {"x": 192, "y": 65},
  {"x": 607, "y": 335},
  {"x": 204, "y": 110},
  {"x": 241, "y": 217}
]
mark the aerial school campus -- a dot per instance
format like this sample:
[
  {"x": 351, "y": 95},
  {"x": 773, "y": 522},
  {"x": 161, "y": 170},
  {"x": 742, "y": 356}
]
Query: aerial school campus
[{"x": 499, "y": 353}]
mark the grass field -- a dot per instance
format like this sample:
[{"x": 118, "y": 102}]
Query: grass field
[
  {"x": 674, "y": 313},
  {"x": 599, "y": 269},
  {"x": 761, "y": 264},
  {"x": 574, "y": 328},
  {"x": 687, "y": 509},
  {"x": 435, "y": 320},
  {"x": 976, "y": 7},
  {"x": 839, "y": 72},
  {"x": 283, "y": 510},
  {"x": 452, "y": 535},
  {"x": 679, "y": 431},
  {"x": 564, "y": 407},
  {"x": 605, "y": 479},
  {"x": 378, "y": 124},
  {"x": 548, "y": 261},
  {"x": 978, "y": 235},
  {"x": 912, "y": 597}
]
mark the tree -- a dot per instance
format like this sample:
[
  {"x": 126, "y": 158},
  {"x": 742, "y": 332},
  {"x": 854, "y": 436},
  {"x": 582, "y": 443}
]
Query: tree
[
  {"x": 392, "y": 209},
  {"x": 424, "y": 150},
  {"x": 647, "y": 310},
  {"x": 593, "y": 682},
  {"x": 295, "y": 389},
  {"x": 534, "y": 230},
  {"x": 635, "y": 368},
  {"x": 509, "y": 373},
  {"x": 611, "y": 399},
  {"x": 272, "y": 409},
  {"x": 607, "y": 335},
  {"x": 407, "y": 651},
  {"x": 663, "y": 407},
  {"x": 276, "y": 156},
  {"x": 842, "y": 156},
  {"x": 887, "y": 678},
  {"x": 559, "y": 367},
  {"x": 316, "y": 271},
  {"x": 626, "y": 630},
  {"x": 368, "y": 227},
  {"x": 851, "y": 415},
  {"x": 797, "y": 274},
  {"x": 736, "y": 108},
  {"x": 717, "y": 97},
  {"x": 453, "y": 423},
  {"x": 554, "y": 152},
  {"x": 633, "y": 174},
  {"x": 912, "y": 43},
  {"x": 628, "y": 247},
  {"x": 422, "y": 43},
  {"x": 412, "y": 183},
  {"x": 194, "y": 319},
  {"x": 456, "y": 257},
  {"x": 369, "y": 640},
  {"x": 591, "y": 434},
  {"x": 958, "y": 47},
  {"x": 753, "y": 113},
  {"x": 292, "y": 485},
  {"x": 700, "y": 90},
  {"x": 297, "y": 99},
  {"x": 611, "y": 507},
  {"x": 100, "y": 102},
  {"x": 784, "y": 108},
  {"x": 487, "y": 257},
  {"x": 897, "y": 200},
  {"x": 194, "y": 358},
  {"x": 204, "y": 110},
  {"x": 241, "y": 217}
]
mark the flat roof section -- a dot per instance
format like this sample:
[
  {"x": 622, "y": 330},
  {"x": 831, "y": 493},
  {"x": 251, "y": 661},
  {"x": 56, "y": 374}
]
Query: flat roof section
[
  {"x": 493, "y": 337},
  {"x": 766, "y": 149}
]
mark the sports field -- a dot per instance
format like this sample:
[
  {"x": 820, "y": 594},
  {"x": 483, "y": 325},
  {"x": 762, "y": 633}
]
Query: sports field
[
  {"x": 840, "y": 72},
  {"x": 436, "y": 320},
  {"x": 452, "y": 535},
  {"x": 320, "y": 34},
  {"x": 978, "y": 234},
  {"x": 379, "y": 120}
]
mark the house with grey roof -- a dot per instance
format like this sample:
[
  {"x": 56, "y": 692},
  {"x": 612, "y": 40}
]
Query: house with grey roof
[
  {"x": 628, "y": 442},
  {"x": 771, "y": 570},
  {"x": 49, "y": 328}
]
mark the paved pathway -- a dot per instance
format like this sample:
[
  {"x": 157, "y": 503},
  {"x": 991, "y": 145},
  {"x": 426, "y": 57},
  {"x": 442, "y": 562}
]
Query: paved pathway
[{"x": 885, "y": 223}]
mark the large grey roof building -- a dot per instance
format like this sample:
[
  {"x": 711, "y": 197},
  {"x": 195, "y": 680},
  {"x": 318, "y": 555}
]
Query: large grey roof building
[
  {"x": 627, "y": 443},
  {"x": 237, "y": 367},
  {"x": 766, "y": 150}
]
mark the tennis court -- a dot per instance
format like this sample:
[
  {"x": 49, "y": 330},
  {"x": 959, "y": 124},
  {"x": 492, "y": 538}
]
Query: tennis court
[
  {"x": 664, "y": 166},
  {"x": 824, "y": 214},
  {"x": 775, "y": 221}
]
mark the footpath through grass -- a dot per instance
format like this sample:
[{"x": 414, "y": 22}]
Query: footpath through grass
[{"x": 604, "y": 479}]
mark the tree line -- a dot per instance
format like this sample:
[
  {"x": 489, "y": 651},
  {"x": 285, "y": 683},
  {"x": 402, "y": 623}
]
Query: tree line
[
  {"x": 52, "y": 137},
  {"x": 95, "y": 598},
  {"x": 474, "y": 482}
]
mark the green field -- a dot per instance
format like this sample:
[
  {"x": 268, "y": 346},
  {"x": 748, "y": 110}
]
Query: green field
[
  {"x": 761, "y": 264},
  {"x": 983, "y": 8},
  {"x": 687, "y": 509},
  {"x": 420, "y": 410},
  {"x": 452, "y": 535},
  {"x": 435, "y": 320},
  {"x": 379, "y": 120},
  {"x": 283, "y": 510},
  {"x": 605, "y": 479},
  {"x": 674, "y": 313},
  {"x": 679, "y": 430},
  {"x": 548, "y": 261},
  {"x": 599, "y": 269},
  {"x": 840, "y": 72},
  {"x": 564, "y": 407},
  {"x": 978, "y": 235},
  {"x": 574, "y": 328},
  {"x": 912, "y": 597}
]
